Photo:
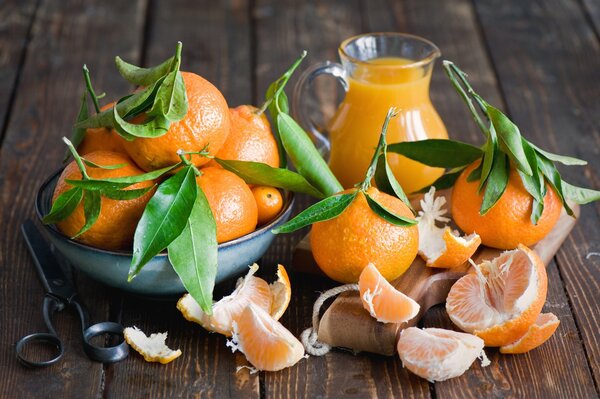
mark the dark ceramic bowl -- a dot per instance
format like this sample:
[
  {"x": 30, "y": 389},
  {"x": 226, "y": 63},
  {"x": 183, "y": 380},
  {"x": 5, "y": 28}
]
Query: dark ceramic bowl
[{"x": 157, "y": 278}]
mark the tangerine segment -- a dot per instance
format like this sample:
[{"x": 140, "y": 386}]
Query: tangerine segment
[
  {"x": 539, "y": 332},
  {"x": 507, "y": 224},
  {"x": 382, "y": 300},
  {"x": 206, "y": 123},
  {"x": 281, "y": 293},
  {"x": 502, "y": 299},
  {"x": 250, "y": 138},
  {"x": 118, "y": 219},
  {"x": 249, "y": 289},
  {"x": 231, "y": 202},
  {"x": 267, "y": 344},
  {"x": 437, "y": 354},
  {"x": 342, "y": 246},
  {"x": 441, "y": 246},
  {"x": 153, "y": 348}
]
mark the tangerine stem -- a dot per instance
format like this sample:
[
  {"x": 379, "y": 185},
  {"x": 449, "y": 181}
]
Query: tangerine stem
[
  {"x": 77, "y": 158},
  {"x": 90, "y": 88},
  {"x": 392, "y": 112}
]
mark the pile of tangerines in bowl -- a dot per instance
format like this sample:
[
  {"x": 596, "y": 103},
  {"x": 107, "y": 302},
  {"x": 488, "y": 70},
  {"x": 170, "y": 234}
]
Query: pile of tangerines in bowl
[{"x": 171, "y": 166}]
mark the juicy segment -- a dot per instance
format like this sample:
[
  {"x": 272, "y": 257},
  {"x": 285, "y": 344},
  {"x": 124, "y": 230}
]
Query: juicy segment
[
  {"x": 382, "y": 300},
  {"x": 265, "y": 342},
  {"x": 250, "y": 289},
  {"x": 539, "y": 332},
  {"x": 281, "y": 293},
  {"x": 153, "y": 348},
  {"x": 501, "y": 299},
  {"x": 437, "y": 354}
]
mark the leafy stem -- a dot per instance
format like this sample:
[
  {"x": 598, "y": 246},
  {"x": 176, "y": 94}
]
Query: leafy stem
[
  {"x": 77, "y": 158},
  {"x": 280, "y": 84},
  {"x": 90, "y": 88},
  {"x": 364, "y": 186},
  {"x": 186, "y": 159}
]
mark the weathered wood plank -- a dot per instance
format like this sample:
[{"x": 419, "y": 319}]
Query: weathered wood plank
[
  {"x": 549, "y": 75},
  {"x": 17, "y": 17},
  {"x": 216, "y": 45},
  {"x": 65, "y": 35},
  {"x": 592, "y": 9}
]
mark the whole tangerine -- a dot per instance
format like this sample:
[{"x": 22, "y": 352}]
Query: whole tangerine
[{"x": 268, "y": 201}]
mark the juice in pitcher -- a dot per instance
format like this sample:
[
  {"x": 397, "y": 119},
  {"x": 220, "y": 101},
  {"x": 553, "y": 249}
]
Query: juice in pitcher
[{"x": 380, "y": 71}]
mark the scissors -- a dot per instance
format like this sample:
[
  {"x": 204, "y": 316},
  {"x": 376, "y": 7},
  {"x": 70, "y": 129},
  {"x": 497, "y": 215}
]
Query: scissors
[{"x": 61, "y": 294}]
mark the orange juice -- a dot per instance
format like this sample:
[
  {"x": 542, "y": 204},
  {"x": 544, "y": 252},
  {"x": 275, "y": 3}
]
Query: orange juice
[{"x": 373, "y": 87}]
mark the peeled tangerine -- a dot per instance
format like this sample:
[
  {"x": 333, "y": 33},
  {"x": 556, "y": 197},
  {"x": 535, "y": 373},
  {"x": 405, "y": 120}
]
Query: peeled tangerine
[
  {"x": 273, "y": 298},
  {"x": 538, "y": 333},
  {"x": 265, "y": 342},
  {"x": 442, "y": 246},
  {"x": 437, "y": 354},
  {"x": 153, "y": 348},
  {"x": 382, "y": 300},
  {"x": 502, "y": 300}
]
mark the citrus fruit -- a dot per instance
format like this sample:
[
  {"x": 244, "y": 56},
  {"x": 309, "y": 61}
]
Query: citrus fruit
[
  {"x": 231, "y": 202},
  {"x": 118, "y": 219},
  {"x": 502, "y": 299},
  {"x": 441, "y": 246},
  {"x": 437, "y": 354},
  {"x": 265, "y": 342},
  {"x": 269, "y": 203},
  {"x": 508, "y": 222},
  {"x": 250, "y": 138},
  {"x": 345, "y": 245},
  {"x": 101, "y": 139},
  {"x": 207, "y": 122},
  {"x": 539, "y": 332},
  {"x": 382, "y": 300},
  {"x": 274, "y": 298},
  {"x": 153, "y": 348}
]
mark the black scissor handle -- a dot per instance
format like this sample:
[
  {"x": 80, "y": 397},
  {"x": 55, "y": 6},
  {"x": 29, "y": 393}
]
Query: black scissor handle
[{"x": 46, "y": 339}]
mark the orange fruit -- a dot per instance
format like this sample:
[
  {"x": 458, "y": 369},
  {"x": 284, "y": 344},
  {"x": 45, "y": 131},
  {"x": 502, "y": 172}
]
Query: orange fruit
[
  {"x": 539, "y": 332},
  {"x": 441, "y": 246},
  {"x": 507, "y": 224},
  {"x": 250, "y": 138},
  {"x": 250, "y": 289},
  {"x": 231, "y": 202},
  {"x": 437, "y": 354},
  {"x": 345, "y": 245},
  {"x": 269, "y": 203},
  {"x": 382, "y": 300},
  {"x": 152, "y": 347},
  {"x": 281, "y": 293},
  {"x": 502, "y": 299},
  {"x": 265, "y": 342},
  {"x": 207, "y": 122},
  {"x": 101, "y": 139},
  {"x": 118, "y": 219}
]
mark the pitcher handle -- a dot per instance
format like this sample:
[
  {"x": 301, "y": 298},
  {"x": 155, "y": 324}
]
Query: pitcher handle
[{"x": 306, "y": 79}]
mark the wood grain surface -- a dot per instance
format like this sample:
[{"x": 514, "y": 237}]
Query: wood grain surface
[{"x": 538, "y": 59}]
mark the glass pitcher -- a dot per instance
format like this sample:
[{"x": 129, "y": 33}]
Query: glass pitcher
[{"x": 378, "y": 71}]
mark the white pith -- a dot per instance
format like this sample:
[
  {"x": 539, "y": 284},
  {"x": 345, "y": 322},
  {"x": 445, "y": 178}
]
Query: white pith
[{"x": 152, "y": 346}]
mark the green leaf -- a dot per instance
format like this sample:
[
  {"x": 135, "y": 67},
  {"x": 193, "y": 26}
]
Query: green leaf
[
  {"x": 488, "y": 160},
  {"x": 387, "y": 214},
  {"x": 79, "y": 133},
  {"x": 496, "y": 183},
  {"x": 64, "y": 205},
  {"x": 326, "y": 209},
  {"x": 153, "y": 127},
  {"x": 579, "y": 195},
  {"x": 171, "y": 98},
  {"x": 533, "y": 183},
  {"x": 553, "y": 176},
  {"x": 123, "y": 195},
  {"x": 509, "y": 138},
  {"x": 193, "y": 253},
  {"x": 445, "y": 181},
  {"x": 265, "y": 175},
  {"x": 386, "y": 181},
  {"x": 475, "y": 173},
  {"x": 108, "y": 167},
  {"x": 91, "y": 209},
  {"x": 164, "y": 218},
  {"x": 537, "y": 208},
  {"x": 438, "y": 152},
  {"x": 565, "y": 160},
  {"x": 306, "y": 157},
  {"x": 142, "y": 76},
  {"x": 282, "y": 103},
  {"x": 117, "y": 183}
]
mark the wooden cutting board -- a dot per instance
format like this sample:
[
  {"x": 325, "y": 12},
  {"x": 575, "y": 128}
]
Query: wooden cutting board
[{"x": 346, "y": 324}]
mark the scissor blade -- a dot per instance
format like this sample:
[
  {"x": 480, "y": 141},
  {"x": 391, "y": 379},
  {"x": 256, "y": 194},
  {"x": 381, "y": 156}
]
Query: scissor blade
[{"x": 48, "y": 268}]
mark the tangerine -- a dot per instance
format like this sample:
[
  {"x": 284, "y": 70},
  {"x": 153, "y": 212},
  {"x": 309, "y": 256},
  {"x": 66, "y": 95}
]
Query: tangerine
[
  {"x": 101, "y": 139},
  {"x": 269, "y": 203},
  {"x": 118, "y": 219}
]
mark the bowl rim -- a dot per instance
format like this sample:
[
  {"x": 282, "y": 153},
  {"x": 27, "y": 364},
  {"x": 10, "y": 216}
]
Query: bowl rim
[{"x": 288, "y": 197}]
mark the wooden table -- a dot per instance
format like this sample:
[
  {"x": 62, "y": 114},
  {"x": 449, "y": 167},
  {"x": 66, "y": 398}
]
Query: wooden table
[{"x": 538, "y": 60}]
